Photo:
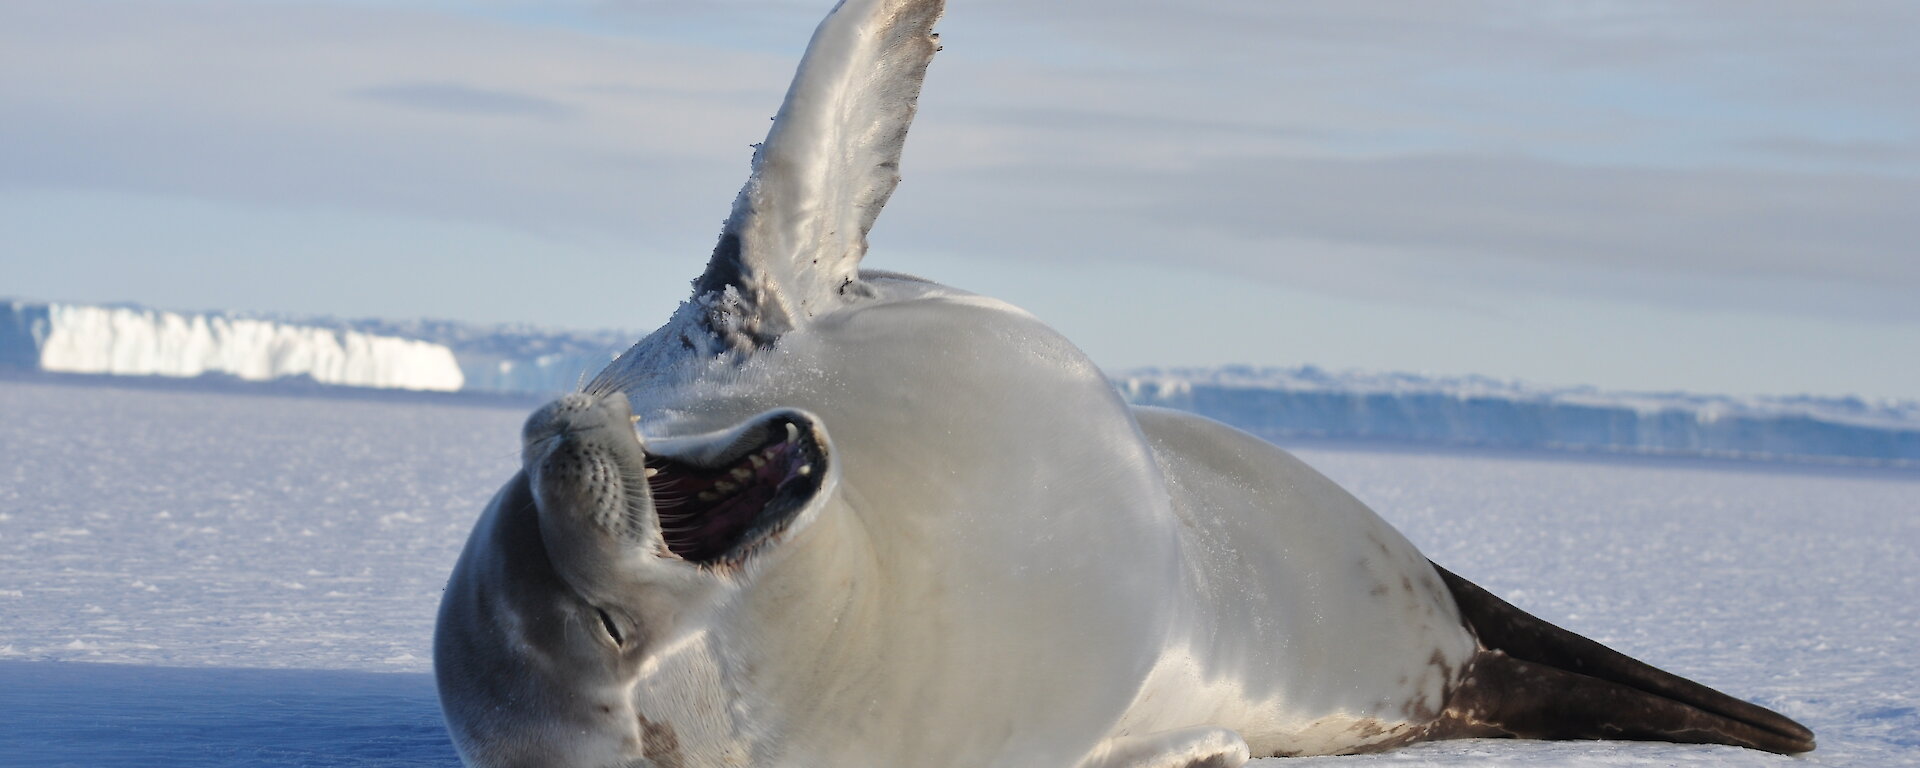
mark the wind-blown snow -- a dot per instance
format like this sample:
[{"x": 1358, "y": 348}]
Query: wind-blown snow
[
  {"x": 128, "y": 341},
  {"x": 198, "y": 579}
]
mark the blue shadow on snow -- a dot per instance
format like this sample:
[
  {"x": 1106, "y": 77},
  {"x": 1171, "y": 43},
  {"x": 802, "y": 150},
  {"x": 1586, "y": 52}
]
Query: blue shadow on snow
[{"x": 104, "y": 715}]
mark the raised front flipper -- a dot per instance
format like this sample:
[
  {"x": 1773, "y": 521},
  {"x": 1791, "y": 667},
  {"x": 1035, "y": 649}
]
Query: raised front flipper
[
  {"x": 792, "y": 247},
  {"x": 1185, "y": 748}
]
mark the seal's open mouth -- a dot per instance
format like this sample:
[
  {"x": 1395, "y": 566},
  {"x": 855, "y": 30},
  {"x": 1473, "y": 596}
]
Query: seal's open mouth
[{"x": 720, "y": 498}]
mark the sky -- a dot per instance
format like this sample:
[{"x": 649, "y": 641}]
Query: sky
[{"x": 1714, "y": 196}]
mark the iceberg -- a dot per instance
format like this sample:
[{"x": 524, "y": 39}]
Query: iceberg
[
  {"x": 136, "y": 341},
  {"x": 513, "y": 358}
]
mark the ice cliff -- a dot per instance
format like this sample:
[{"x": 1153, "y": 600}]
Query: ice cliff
[
  {"x": 434, "y": 355},
  {"x": 135, "y": 341},
  {"x": 512, "y": 358}
]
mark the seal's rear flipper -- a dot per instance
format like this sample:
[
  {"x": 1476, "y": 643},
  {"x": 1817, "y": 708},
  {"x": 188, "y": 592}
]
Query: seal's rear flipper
[{"x": 1534, "y": 680}]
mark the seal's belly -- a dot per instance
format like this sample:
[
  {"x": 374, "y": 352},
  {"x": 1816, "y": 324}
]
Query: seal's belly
[
  {"x": 998, "y": 552},
  {"x": 1315, "y": 627}
]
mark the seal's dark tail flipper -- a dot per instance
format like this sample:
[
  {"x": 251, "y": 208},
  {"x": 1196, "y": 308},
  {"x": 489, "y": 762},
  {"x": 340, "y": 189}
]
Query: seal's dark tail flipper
[{"x": 1534, "y": 680}]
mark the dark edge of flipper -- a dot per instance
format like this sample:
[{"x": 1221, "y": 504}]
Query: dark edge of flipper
[{"x": 1532, "y": 679}]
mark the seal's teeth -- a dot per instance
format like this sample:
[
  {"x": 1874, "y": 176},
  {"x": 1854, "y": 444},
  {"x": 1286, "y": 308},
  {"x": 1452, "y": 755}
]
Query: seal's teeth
[
  {"x": 708, "y": 496},
  {"x": 758, "y": 460},
  {"x": 651, "y": 471},
  {"x": 793, "y": 432},
  {"x": 725, "y": 487},
  {"x": 804, "y": 470},
  {"x": 633, "y": 419},
  {"x": 741, "y": 473}
]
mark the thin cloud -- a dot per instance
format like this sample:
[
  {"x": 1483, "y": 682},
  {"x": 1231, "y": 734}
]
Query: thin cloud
[
  {"x": 460, "y": 99},
  {"x": 1605, "y": 149},
  {"x": 1406, "y": 227},
  {"x": 1873, "y": 156}
]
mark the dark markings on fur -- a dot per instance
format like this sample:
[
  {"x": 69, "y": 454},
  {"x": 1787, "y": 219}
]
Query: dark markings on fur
[
  {"x": 1534, "y": 680},
  {"x": 752, "y": 320},
  {"x": 1211, "y": 761},
  {"x": 1369, "y": 729},
  {"x": 661, "y": 746},
  {"x": 724, "y": 268}
]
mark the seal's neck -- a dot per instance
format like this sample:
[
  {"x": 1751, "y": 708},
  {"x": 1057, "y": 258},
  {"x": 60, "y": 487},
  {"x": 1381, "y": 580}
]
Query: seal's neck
[
  {"x": 807, "y": 617},
  {"x": 826, "y": 574}
]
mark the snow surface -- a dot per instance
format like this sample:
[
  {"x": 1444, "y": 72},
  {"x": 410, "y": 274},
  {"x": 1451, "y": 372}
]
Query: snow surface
[{"x": 194, "y": 578}]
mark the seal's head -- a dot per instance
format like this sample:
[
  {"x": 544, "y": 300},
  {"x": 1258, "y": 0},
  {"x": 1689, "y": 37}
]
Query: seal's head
[{"x": 593, "y": 558}]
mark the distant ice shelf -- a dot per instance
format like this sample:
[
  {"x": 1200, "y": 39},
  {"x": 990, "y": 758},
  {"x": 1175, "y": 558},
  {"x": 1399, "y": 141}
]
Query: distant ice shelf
[
  {"x": 1310, "y": 402},
  {"x": 136, "y": 341},
  {"x": 1270, "y": 402}
]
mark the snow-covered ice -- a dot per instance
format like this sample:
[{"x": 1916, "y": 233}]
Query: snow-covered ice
[{"x": 197, "y": 579}]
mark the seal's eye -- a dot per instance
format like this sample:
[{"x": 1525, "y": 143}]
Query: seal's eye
[{"x": 613, "y": 630}]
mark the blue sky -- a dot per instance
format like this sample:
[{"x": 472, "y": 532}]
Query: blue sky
[{"x": 1716, "y": 196}]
